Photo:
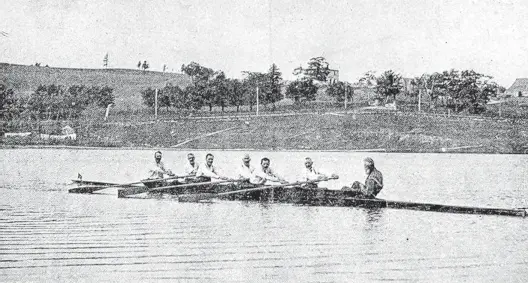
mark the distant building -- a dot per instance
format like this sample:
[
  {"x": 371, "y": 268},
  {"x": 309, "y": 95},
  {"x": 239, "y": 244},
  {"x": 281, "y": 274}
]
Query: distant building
[{"x": 518, "y": 88}]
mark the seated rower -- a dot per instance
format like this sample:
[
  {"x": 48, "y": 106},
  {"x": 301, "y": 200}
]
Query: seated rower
[
  {"x": 207, "y": 171},
  {"x": 373, "y": 184},
  {"x": 246, "y": 170},
  {"x": 191, "y": 167},
  {"x": 266, "y": 176},
  {"x": 310, "y": 173},
  {"x": 158, "y": 169}
]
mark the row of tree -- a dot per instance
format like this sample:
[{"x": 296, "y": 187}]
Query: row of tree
[
  {"x": 212, "y": 88},
  {"x": 460, "y": 90},
  {"x": 54, "y": 101}
]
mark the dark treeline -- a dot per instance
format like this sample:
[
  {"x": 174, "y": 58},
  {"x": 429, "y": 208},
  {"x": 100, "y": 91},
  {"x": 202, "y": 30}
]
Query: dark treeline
[
  {"x": 454, "y": 89},
  {"x": 53, "y": 102}
]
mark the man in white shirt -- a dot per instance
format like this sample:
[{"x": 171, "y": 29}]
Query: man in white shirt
[
  {"x": 246, "y": 170},
  {"x": 207, "y": 171},
  {"x": 158, "y": 169},
  {"x": 191, "y": 167},
  {"x": 310, "y": 173},
  {"x": 267, "y": 176}
]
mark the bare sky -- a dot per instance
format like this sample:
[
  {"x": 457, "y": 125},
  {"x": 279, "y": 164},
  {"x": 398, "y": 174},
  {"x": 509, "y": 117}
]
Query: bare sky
[{"x": 411, "y": 37}]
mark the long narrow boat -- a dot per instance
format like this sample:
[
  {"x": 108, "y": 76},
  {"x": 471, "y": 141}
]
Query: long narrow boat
[{"x": 314, "y": 197}]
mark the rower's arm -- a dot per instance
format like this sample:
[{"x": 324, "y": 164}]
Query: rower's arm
[{"x": 371, "y": 187}]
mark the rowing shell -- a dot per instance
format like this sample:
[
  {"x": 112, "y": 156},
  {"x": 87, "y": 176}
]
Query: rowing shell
[{"x": 320, "y": 197}]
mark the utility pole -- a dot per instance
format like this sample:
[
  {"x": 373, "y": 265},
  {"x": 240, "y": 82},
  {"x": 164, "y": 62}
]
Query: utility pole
[
  {"x": 156, "y": 104},
  {"x": 420, "y": 94},
  {"x": 257, "y": 98},
  {"x": 345, "y": 94}
]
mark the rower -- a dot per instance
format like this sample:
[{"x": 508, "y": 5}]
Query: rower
[
  {"x": 158, "y": 169},
  {"x": 310, "y": 173},
  {"x": 373, "y": 184},
  {"x": 191, "y": 167},
  {"x": 208, "y": 171},
  {"x": 246, "y": 170},
  {"x": 266, "y": 176}
]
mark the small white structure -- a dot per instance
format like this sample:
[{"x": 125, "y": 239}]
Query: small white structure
[{"x": 68, "y": 133}]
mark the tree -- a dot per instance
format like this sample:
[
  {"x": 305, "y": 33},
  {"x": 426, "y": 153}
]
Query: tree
[
  {"x": 201, "y": 93},
  {"x": 145, "y": 65},
  {"x": 388, "y": 84},
  {"x": 105, "y": 61},
  {"x": 9, "y": 105},
  {"x": 235, "y": 93},
  {"x": 338, "y": 91},
  {"x": 318, "y": 68},
  {"x": 273, "y": 89},
  {"x": 147, "y": 96},
  {"x": 466, "y": 89},
  {"x": 217, "y": 91},
  {"x": 251, "y": 82},
  {"x": 302, "y": 90}
]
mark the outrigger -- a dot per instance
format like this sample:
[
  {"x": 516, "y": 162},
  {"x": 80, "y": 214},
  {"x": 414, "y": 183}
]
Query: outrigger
[{"x": 293, "y": 193}]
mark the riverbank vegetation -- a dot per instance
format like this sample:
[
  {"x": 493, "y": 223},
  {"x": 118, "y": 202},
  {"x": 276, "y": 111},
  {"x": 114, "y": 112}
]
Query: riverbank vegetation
[{"x": 438, "y": 112}]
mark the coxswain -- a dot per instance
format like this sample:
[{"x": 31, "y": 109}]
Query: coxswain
[
  {"x": 158, "y": 169},
  {"x": 266, "y": 175},
  {"x": 373, "y": 184},
  {"x": 208, "y": 171}
]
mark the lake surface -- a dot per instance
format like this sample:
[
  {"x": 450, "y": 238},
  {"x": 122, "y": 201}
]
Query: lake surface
[{"x": 47, "y": 234}]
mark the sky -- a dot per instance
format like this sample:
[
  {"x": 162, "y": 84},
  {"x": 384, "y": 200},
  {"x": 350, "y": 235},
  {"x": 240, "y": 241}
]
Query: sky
[{"x": 411, "y": 37}]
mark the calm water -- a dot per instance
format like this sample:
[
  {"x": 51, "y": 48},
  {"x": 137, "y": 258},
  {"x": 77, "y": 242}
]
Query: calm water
[{"x": 47, "y": 234}]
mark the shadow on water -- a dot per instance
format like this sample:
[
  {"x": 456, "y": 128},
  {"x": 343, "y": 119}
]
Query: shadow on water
[{"x": 373, "y": 218}]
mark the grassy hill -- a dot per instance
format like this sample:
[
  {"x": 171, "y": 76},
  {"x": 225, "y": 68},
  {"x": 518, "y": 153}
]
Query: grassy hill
[{"x": 127, "y": 83}]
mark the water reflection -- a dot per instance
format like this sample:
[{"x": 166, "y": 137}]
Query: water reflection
[
  {"x": 47, "y": 234},
  {"x": 373, "y": 217}
]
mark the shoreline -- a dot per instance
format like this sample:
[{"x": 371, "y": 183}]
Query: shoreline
[{"x": 379, "y": 150}]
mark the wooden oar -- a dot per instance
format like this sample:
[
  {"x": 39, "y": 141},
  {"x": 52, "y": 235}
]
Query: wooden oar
[
  {"x": 91, "y": 189},
  {"x": 204, "y": 196},
  {"x": 134, "y": 191}
]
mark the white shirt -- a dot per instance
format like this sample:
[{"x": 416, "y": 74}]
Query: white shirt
[
  {"x": 157, "y": 170},
  {"x": 269, "y": 175},
  {"x": 191, "y": 170},
  {"x": 311, "y": 174},
  {"x": 246, "y": 172},
  {"x": 206, "y": 171}
]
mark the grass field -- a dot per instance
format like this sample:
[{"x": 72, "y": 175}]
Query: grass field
[
  {"x": 393, "y": 132},
  {"x": 127, "y": 83}
]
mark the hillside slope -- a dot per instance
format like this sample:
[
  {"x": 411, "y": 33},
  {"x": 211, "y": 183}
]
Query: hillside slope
[{"x": 127, "y": 83}]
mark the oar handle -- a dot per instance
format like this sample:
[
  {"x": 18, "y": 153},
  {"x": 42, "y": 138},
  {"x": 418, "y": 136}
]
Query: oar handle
[
  {"x": 163, "y": 179},
  {"x": 197, "y": 184},
  {"x": 197, "y": 197},
  {"x": 274, "y": 186}
]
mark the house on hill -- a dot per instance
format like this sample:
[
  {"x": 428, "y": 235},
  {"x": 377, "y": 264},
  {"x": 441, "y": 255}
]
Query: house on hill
[{"x": 518, "y": 88}]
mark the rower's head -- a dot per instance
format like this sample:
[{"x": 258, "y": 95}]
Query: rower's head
[
  {"x": 246, "y": 159},
  {"x": 158, "y": 156},
  {"x": 265, "y": 162},
  {"x": 308, "y": 162},
  {"x": 369, "y": 165},
  {"x": 209, "y": 159},
  {"x": 191, "y": 158}
]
